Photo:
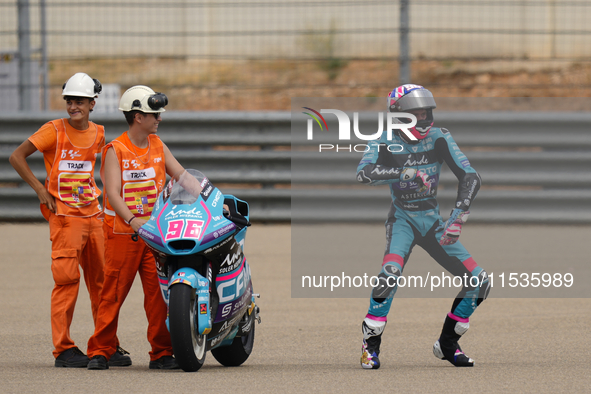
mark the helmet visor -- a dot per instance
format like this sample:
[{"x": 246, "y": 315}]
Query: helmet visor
[{"x": 417, "y": 99}]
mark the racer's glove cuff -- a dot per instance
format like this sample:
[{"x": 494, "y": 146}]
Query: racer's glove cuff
[
  {"x": 452, "y": 227},
  {"x": 424, "y": 182}
]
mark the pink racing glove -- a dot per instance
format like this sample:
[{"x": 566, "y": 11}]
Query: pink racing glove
[
  {"x": 424, "y": 182},
  {"x": 452, "y": 227}
]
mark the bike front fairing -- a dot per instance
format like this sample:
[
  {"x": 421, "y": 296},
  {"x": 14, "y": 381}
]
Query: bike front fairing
[
  {"x": 184, "y": 224},
  {"x": 196, "y": 245}
]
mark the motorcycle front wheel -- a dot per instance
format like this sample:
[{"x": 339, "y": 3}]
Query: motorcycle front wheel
[
  {"x": 239, "y": 351},
  {"x": 187, "y": 344}
]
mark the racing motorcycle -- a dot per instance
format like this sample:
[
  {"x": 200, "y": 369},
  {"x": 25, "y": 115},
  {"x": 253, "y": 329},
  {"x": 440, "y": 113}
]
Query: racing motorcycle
[{"x": 197, "y": 236}]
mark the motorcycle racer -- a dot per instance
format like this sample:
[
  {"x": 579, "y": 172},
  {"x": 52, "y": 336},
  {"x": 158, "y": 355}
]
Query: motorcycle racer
[{"x": 413, "y": 175}]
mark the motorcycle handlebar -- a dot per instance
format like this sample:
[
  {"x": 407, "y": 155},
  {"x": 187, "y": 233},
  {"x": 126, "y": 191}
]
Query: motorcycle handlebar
[{"x": 239, "y": 220}]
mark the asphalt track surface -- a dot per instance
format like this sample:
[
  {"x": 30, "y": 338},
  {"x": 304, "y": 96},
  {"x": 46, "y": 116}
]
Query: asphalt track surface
[{"x": 312, "y": 345}]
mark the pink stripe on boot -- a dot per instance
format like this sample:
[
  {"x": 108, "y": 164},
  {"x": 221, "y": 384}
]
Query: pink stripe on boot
[
  {"x": 376, "y": 318},
  {"x": 457, "y": 318}
]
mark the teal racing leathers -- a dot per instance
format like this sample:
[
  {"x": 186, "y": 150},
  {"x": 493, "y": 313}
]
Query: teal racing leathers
[{"x": 414, "y": 215}]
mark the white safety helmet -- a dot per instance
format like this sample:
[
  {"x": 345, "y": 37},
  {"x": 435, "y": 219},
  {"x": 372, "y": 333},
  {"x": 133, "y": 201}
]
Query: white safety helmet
[
  {"x": 81, "y": 85},
  {"x": 142, "y": 98}
]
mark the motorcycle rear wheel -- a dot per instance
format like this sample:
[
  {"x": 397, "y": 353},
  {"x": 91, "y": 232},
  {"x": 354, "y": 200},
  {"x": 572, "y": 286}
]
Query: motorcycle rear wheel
[
  {"x": 189, "y": 347},
  {"x": 238, "y": 352}
]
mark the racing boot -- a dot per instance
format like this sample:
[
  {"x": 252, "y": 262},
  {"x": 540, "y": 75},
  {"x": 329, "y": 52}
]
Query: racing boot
[
  {"x": 372, "y": 338},
  {"x": 447, "y": 347}
]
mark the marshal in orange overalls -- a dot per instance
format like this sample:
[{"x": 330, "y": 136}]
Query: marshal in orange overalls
[
  {"x": 143, "y": 174},
  {"x": 75, "y": 232}
]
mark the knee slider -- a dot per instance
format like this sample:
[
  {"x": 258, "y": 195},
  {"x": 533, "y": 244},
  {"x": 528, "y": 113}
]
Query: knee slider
[
  {"x": 390, "y": 269},
  {"x": 387, "y": 282},
  {"x": 382, "y": 290}
]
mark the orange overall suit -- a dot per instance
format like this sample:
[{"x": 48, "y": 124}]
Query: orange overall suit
[
  {"x": 75, "y": 232},
  {"x": 143, "y": 174}
]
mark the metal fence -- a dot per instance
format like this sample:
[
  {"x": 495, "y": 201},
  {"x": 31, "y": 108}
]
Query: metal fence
[
  {"x": 255, "y": 54},
  {"x": 534, "y": 166},
  {"x": 534, "y": 169},
  {"x": 245, "y": 154}
]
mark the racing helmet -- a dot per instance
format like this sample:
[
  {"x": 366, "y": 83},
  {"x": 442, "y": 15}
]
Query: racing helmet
[
  {"x": 144, "y": 99},
  {"x": 81, "y": 85},
  {"x": 409, "y": 97}
]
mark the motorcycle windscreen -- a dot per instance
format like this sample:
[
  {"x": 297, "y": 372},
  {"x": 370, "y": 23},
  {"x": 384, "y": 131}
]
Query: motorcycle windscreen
[{"x": 188, "y": 187}]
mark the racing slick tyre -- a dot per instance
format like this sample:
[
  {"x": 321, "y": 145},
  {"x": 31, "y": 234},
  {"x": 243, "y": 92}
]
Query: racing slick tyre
[
  {"x": 189, "y": 347},
  {"x": 237, "y": 353}
]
